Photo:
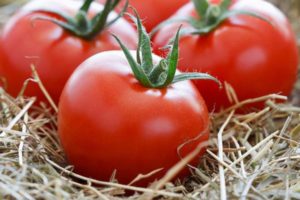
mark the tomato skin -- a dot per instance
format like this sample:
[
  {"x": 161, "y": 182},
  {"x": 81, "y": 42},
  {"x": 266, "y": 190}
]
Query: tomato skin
[
  {"x": 54, "y": 52},
  {"x": 108, "y": 121},
  {"x": 254, "y": 57},
  {"x": 153, "y": 12}
]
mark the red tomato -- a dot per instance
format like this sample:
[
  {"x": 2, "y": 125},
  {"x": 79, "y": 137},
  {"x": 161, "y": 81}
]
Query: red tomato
[
  {"x": 54, "y": 51},
  {"x": 108, "y": 121},
  {"x": 153, "y": 12},
  {"x": 256, "y": 58}
]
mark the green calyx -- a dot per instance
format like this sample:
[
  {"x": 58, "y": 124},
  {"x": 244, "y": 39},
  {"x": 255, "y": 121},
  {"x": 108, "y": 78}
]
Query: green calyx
[
  {"x": 211, "y": 15},
  {"x": 80, "y": 25},
  {"x": 162, "y": 74}
]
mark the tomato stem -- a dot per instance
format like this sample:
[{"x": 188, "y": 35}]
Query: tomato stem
[
  {"x": 86, "y": 5},
  {"x": 211, "y": 16},
  {"x": 80, "y": 25},
  {"x": 162, "y": 74}
]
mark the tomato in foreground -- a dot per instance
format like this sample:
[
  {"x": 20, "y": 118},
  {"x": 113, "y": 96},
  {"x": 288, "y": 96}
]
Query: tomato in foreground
[
  {"x": 108, "y": 121},
  {"x": 131, "y": 114},
  {"x": 37, "y": 35},
  {"x": 154, "y": 12},
  {"x": 254, "y": 56}
]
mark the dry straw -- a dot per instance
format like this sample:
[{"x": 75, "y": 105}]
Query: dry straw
[{"x": 249, "y": 156}]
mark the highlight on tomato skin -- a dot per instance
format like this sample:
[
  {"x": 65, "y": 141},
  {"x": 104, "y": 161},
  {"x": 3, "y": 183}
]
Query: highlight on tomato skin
[
  {"x": 153, "y": 12},
  {"x": 108, "y": 121},
  {"x": 255, "y": 57},
  {"x": 31, "y": 38}
]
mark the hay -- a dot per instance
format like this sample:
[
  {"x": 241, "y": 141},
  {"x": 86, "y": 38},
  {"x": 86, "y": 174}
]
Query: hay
[{"x": 249, "y": 156}]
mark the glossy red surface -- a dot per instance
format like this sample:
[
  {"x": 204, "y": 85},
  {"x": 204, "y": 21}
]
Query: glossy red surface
[{"x": 108, "y": 121}]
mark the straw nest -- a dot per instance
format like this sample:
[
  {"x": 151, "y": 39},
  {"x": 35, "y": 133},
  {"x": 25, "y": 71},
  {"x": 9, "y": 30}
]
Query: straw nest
[{"x": 249, "y": 156}]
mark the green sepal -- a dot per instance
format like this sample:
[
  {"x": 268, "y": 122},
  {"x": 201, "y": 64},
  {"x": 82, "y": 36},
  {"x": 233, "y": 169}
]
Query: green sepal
[
  {"x": 224, "y": 5},
  {"x": 121, "y": 14},
  {"x": 164, "y": 73},
  {"x": 196, "y": 76},
  {"x": 64, "y": 25},
  {"x": 136, "y": 68},
  {"x": 66, "y": 18},
  {"x": 86, "y": 6},
  {"x": 172, "y": 60},
  {"x": 144, "y": 46},
  {"x": 99, "y": 21},
  {"x": 211, "y": 16},
  {"x": 209, "y": 28},
  {"x": 201, "y": 7},
  {"x": 80, "y": 25}
]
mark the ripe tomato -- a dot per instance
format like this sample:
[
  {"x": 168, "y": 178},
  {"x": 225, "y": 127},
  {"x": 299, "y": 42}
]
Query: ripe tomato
[
  {"x": 54, "y": 51},
  {"x": 154, "y": 12},
  {"x": 253, "y": 56},
  {"x": 107, "y": 120}
]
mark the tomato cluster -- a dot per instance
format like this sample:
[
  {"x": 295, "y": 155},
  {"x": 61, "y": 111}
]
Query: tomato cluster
[{"x": 131, "y": 110}]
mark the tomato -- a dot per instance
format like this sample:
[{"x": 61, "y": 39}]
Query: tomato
[
  {"x": 255, "y": 57},
  {"x": 154, "y": 12},
  {"x": 108, "y": 121},
  {"x": 131, "y": 114},
  {"x": 54, "y": 51}
]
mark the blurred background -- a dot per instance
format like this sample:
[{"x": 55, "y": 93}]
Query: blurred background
[{"x": 292, "y": 9}]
